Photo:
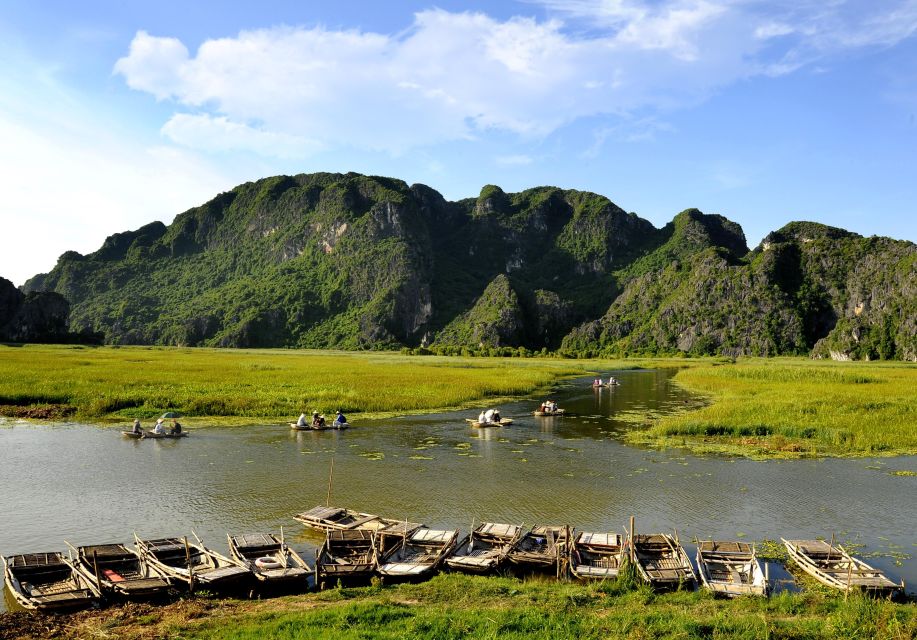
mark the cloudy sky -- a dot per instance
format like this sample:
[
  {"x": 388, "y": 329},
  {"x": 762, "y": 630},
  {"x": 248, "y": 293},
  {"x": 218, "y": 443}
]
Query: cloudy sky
[{"x": 113, "y": 115}]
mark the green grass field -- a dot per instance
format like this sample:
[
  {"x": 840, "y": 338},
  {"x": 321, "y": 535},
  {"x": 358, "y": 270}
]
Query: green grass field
[
  {"x": 456, "y": 606},
  {"x": 796, "y": 407},
  {"x": 784, "y": 407},
  {"x": 108, "y": 383}
]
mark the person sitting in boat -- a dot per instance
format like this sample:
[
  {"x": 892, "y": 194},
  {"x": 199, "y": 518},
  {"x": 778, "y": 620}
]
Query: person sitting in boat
[
  {"x": 317, "y": 420},
  {"x": 137, "y": 428},
  {"x": 551, "y": 406},
  {"x": 612, "y": 381},
  {"x": 491, "y": 415},
  {"x": 543, "y": 407},
  {"x": 483, "y": 417},
  {"x": 302, "y": 422},
  {"x": 495, "y": 416},
  {"x": 176, "y": 428},
  {"x": 340, "y": 419},
  {"x": 160, "y": 428}
]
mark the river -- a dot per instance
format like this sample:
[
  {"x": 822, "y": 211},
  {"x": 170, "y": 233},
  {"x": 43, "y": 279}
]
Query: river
[{"x": 88, "y": 484}]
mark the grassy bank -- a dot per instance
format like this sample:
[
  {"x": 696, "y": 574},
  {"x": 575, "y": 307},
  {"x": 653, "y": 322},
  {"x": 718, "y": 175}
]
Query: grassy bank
[
  {"x": 122, "y": 383},
  {"x": 456, "y": 606},
  {"x": 794, "y": 408}
]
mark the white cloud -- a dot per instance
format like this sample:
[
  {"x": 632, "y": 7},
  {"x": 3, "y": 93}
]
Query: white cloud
[{"x": 289, "y": 91}]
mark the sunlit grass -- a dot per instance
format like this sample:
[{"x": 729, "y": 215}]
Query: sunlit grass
[
  {"x": 796, "y": 407},
  {"x": 143, "y": 382},
  {"x": 457, "y": 606}
]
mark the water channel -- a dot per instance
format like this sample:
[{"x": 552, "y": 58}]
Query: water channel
[{"x": 88, "y": 484}]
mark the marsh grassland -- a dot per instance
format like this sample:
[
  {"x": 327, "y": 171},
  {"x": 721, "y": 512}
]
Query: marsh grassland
[
  {"x": 761, "y": 408},
  {"x": 456, "y": 606},
  {"x": 794, "y": 407}
]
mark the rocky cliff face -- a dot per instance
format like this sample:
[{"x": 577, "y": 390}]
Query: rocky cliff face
[
  {"x": 40, "y": 316},
  {"x": 351, "y": 261}
]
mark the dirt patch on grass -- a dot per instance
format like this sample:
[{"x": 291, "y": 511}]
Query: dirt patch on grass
[{"x": 38, "y": 412}]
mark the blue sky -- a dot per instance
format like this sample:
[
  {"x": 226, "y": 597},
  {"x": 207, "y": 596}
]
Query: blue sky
[{"x": 114, "y": 114}]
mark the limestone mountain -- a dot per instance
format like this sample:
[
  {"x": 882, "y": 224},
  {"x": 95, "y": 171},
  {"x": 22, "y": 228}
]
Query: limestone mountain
[{"x": 352, "y": 261}]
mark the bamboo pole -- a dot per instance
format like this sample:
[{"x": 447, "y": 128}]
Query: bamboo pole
[
  {"x": 849, "y": 573},
  {"x": 190, "y": 567},
  {"x": 631, "y": 540},
  {"x": 95, "y": 567},
  {"x": 330, "y": 480}
]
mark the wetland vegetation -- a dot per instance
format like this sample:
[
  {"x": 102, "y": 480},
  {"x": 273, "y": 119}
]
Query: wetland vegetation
[{"x": 458, "y": 606}]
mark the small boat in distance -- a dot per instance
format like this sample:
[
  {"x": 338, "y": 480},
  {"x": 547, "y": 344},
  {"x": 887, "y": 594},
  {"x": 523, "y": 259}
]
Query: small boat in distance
[
  {"x": 194, "y": 564},
  {"x": 117, "y": 571},
  {"x": 340, "y": 519},
  {"x": 416, "y": 555},
  {"x": 502, "y": 422},
  {"x": 730, "y": 568},
  {"x": 149, "y": 435},
  {"x": 48, "y": 582},
  {"x": 346, "y": 556},
  {"x": 542, "y": 548},
  {"x": 597, "y": 556},
  {"x": 831, "y": 565},
  {"x": 485, "y": 548},
  {"x": 332, "y": 426},
  {"x": 540, "y": 414},
  {"x": 270, "y": 559},
  {"x": 662, "y": 561}
]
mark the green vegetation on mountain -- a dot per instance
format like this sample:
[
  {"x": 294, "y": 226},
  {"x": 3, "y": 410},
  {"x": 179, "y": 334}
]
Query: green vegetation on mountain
[{"x": 363, "y": 262}]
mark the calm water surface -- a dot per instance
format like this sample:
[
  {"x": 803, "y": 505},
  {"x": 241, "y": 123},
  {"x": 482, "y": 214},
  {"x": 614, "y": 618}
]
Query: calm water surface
[{"x": 88, "y": 484}]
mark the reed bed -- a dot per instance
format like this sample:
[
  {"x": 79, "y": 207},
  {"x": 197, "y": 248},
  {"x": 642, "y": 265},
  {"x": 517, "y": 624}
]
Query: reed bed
[
  {"x": 121, "y": 383},
  {"x": 794, "y": 407}
]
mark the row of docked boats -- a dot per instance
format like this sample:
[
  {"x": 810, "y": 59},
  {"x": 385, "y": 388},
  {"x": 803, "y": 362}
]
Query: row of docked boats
[
  {"x": 151, "y": 569},
  {"x": 358, "y": 545}
]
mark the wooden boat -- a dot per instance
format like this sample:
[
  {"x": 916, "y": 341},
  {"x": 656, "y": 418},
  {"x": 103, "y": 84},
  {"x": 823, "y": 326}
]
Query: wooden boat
[
  {"x": 340, "y": 519},
  {"x": 730, "y": 568},
  {"x": 662, "y": 561},
  {"x": 346, "y": 556},
  {"x": 270, "y": 559},
  {"x": 547, "y": 414},
  {"x": 831, "y": 565},
  {"x": 597, "y": 556},
  {"x": 48, "y": 582},
  {"x": 485, "y": 548},
  {"x": 416, "y": 555},
  {"x": 501, "y": 423},
  {"x": 149, "y": 435},
  {"x": 541, "y": 548},
  {"x": 193, "y": 564},
  {"x": 333, "y": 426},
  {"x": 117, "y": 571}
]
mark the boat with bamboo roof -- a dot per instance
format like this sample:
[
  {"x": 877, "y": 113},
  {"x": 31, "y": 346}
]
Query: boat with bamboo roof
[
  {"x": 832, "y": 565},
  {"x": 193, "y": 564},
  {"x": 542, "y": 548},
  {"x": 48, "y": 582},
  {"x": 662, "y": 561},
  {"x": 346, "y": 556},
  {"x": 730, "y": 568},
  {"x": 326, "y": 518},
  {"x": 270, "y": 559},
  {"x": 597, "y": 556},
  {"x": 417, "y": 554},
  {"x": 485, "y": 548},
  {"x": 119, "y": 572}
]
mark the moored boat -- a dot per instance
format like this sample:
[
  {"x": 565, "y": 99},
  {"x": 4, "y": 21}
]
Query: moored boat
[
  {"x": 270, "y": 559},
  {"x": 194, "y": 564},
  {"x": 833, "y": 566},
  {"x": 345, "y": 556},
  {"x": 730, "y": 568},
  {"x": 119, "y": 572},
  {"x": 597, "y": 556},
  {"x": 662, "y": 561},
  {"x": 48, "y": 582},
  {"x": 417, "y": 554},
  {"x": 541, "y": 548},
  {"x": 341, "y": 519},
  {"x": 485, "y": 548}
]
